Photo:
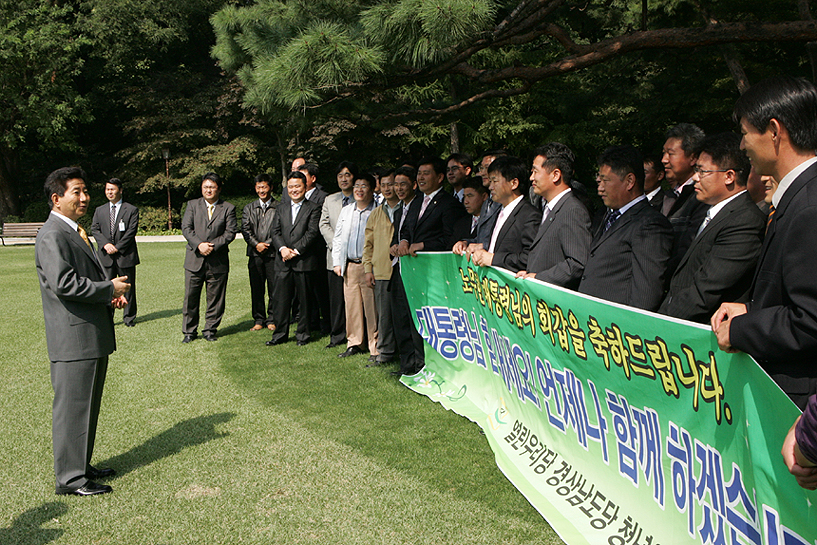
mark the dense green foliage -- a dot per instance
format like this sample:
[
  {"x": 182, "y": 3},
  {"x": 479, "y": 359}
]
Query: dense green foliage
[{"x": 242, "y": 87}]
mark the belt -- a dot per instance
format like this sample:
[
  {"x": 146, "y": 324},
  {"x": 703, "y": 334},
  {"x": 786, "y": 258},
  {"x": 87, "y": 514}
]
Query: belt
[{"x": 358, "y": 261}]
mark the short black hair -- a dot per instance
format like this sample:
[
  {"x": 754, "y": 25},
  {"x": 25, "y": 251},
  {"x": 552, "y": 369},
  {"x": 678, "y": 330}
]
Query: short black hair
[
  {"x": 296, "y": 175},
  {"x": 311, "y": 169},
  {"x": 792, "y": 101},
  {"x": 264, "y": 178},
  {"x": 655, "y": 161},
  {"x": 213, "y": 177},
  {"x": 408, "y": 172},
  {"x": 724, "y": 148},
  {"x": 462, "y": 158},
  {"x": 57, "y": 182},
  {"x": 511, "y": 167},
  {"x": 436, "y": 163},
  {"x": 689, "y": 134},
  {"x": 115, "y": 181},
  {"x": 557, "y": 155},
  {"x": 367, "y": 177},
  {"x": 353, "y": 168},
  {"x": 495, "y": 153},
  {"x": 475, "y": 182},
  {"x": 624, "y": 160}
]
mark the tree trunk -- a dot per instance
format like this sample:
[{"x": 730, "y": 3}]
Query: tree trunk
[
  {"x": 455, "y": 138},
  {"x": 804, "y": 10},
  {"x": 9, "y": 201}
]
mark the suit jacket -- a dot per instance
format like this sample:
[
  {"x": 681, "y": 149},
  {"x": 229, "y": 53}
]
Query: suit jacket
[
  {"x": 329, "y": 213},
  {"x": 256, "y": 226},
  {"x": 719, "y": 264},
  {"x": 76, "y": 295},
  {"x": 627, "y": 263},
  {"x": 435, "y": 226},
  {"x": 485, "y": 223},
  {"x": 562, "y": 244},
  {"x": 343, "y": 232},
  {"x": 124, "y": 240},
  {"x": 516, "y": 237},
  {"x": 220, "y": 230},
  {"x": 780, "y": 327},
  {"x": 377, "y": 241},
  {"x": 462, "y": 230},
  {"x": 302, "y": 236}
]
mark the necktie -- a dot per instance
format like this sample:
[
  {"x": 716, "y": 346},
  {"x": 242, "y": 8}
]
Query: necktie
[
  {"x": 426, "y": 200},
  {"x": 113, "y": 219},
  {"x": 771, "y": 214},
  {"x": 346, "y": 200},
  {"x": 84, "y": 236},
  {"x": 612, "y": 216},
  {"x": 296, "y": 207},
  {"x": 545, "y": 213},
  {"x": 704, "y": 223},
  {"x": 474, "y": 221},
  {"x": 210, "y": 208}
]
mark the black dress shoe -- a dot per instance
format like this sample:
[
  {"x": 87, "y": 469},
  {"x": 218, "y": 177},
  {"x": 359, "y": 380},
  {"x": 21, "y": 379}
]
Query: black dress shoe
[
  {"x": 351, "y": 351},
  {"x": 189, "y": 338},
  {"x": 302, "y": 343},
  {"x": 104, "y": 473},
  {"x": 374, "y": 363},
  {"x": 89, "y": 489},
  {"x": 273, "y": 342},
  {"x": 333, "y": 345},
  {"x": 130, "y": 324},
  {"x": 210, "y": 337}
]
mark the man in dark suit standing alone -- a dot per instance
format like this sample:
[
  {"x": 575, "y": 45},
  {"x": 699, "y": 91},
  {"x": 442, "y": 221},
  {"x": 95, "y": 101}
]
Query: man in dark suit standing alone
[
  {"x": 256, "y": 227},
  {"x": 209, "y": 225},
  {"x": 295, "y": 234},
  {"x": 721, "y": 259},
  {"x": 632, "y": 244},
  {"x": 77, "y": 300},
  {"x": 114, "y": 228},
  {"x": 778, "y": 327}
]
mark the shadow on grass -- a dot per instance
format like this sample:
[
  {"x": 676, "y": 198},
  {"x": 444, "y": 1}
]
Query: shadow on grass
[
  {"x": 158, "y": 315},
  {"x": 187, "y": 433},
  {"x": 27, "y": 528}
]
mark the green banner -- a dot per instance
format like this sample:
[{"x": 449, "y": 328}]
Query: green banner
[{"x": 620, "y": 426}]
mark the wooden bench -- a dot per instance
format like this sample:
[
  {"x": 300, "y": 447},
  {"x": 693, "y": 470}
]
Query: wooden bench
[{"x": 20, "y": 230}]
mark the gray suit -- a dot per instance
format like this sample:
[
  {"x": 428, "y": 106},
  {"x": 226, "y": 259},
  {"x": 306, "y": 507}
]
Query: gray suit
[
  {"x": 562, "y": 244},
  {"x": 212, "y": 269},
  {"x": 79, "y": 332},
  {"x": 628, "y": 262}
]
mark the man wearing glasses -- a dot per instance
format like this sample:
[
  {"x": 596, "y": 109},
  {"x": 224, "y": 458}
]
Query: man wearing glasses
[
  {"x": 721, "y": 259},
  {"x": 459, "y": 168}
]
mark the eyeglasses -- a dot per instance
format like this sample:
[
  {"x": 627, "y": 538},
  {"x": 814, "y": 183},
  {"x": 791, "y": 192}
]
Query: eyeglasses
[
  {"x": 701, "y": 172},
  {"x": 453, "y": 169},
  {"x": 361, "y": 186}
]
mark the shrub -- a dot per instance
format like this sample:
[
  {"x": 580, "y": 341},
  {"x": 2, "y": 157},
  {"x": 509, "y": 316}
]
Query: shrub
[
  {"x": 154, "y": 218},
  {"x": 38, "y": 211}
]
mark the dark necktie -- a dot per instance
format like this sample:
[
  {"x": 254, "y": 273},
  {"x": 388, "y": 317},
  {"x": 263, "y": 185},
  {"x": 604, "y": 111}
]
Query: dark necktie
[
  {"x": 771, "y": 215},
  {"x": 346, "y": 200},
  {"x": 611, "y": 218},
  {"x": 113, "y": 219}
]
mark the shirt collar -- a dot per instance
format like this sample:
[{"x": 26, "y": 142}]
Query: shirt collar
[
  {"x": 552, "y": 202},
  {"x": 71, "y": 223},
  {"x": 719, "y": 206},
  {"x": 789, "y": 178},
  {"x": 632, "y": 203}
]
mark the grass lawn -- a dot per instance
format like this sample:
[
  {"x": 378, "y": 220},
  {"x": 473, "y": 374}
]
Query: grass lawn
[{"x": 235, "y": 442}]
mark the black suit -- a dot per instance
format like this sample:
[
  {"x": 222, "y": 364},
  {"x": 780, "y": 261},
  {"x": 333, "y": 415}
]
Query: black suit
[
  {"x": 719, "y": 264},
  {"x": 256, "y": 226},
  {"x": 562, "y": 244},
  {"x": 210, "y": 270},
  {"x": 779, "y": 328},
  {"x": 515, "y": 238},
  {"x": 435, "y": 226},
  {"x": 125, "y": 260},
  {"x": 301, "y": 235},
  {"x": 627, "y": 263}
]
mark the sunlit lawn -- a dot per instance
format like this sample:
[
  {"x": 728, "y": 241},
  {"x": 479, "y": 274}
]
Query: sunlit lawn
[{"x": 235, "y": 442}]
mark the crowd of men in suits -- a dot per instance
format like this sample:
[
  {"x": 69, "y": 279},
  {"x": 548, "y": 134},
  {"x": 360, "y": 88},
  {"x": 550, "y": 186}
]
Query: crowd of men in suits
[{"x": 686, "y": 234}]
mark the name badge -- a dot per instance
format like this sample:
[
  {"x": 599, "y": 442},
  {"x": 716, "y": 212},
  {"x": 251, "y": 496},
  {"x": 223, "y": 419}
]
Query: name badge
[{"x": 121, "y": 226}]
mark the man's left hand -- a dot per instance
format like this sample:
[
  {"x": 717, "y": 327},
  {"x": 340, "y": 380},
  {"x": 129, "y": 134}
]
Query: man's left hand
[{"x": 110, "y": 249}]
